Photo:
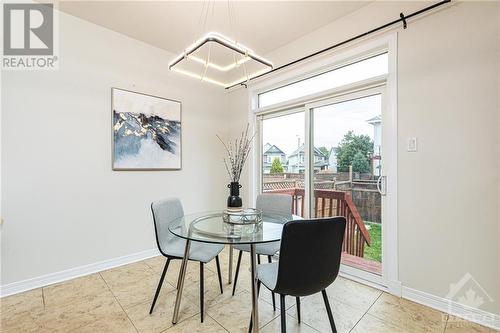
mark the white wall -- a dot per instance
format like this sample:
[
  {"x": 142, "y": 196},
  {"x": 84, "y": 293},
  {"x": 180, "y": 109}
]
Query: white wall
[
  {"x": 448, "y": 191},
  {"x": 448, "y": 96},
  {"x": 238, "y": 118},
  {"x": 63, "y": 206}
]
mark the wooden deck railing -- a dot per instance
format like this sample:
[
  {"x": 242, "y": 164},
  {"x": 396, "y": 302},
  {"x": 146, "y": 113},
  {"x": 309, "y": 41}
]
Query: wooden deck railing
[{"x": 329, "y": 203}]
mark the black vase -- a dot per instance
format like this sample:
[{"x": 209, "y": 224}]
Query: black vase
[{"x": 234, "y": 200}]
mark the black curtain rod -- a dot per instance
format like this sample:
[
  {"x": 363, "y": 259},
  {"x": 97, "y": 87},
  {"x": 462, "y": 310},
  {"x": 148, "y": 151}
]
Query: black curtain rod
[{"x": 402, "y": 18}]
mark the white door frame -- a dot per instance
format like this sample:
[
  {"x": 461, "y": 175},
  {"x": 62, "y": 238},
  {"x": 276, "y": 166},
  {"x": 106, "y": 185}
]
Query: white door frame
[{"x": 390, "y": 281}]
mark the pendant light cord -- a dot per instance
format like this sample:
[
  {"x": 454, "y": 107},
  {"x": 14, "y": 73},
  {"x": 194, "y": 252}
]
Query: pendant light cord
[
  {"x": 231, "y": 11},
  {"x": 208, "y": 6},
  {"x": 201, "y": 27}
]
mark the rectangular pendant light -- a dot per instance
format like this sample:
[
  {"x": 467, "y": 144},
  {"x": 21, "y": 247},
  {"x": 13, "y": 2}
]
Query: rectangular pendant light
[{"x": 246, "y": 55}]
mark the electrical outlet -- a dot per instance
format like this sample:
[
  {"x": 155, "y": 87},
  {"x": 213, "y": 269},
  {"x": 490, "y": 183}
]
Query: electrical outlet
[{"x": 412, "y": 144}]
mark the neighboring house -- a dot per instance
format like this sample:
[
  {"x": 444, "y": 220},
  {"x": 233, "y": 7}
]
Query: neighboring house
[
  {"x": 377, "y": 143},
  {"x": 296, "y": 161},
  {"x": 270, "y": 153},
  {"x": 332, "y": 160}
]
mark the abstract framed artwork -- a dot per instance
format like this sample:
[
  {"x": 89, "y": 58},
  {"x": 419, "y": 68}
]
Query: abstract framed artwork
[{"x": 146, "y": 131}]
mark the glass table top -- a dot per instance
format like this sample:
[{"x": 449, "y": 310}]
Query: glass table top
[{"x": 209, "y": 227}]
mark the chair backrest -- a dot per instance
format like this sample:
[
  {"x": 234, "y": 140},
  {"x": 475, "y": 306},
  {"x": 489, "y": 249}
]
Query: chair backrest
[
  {"x": 309, "y": 255},
  {"x": 280, "y": 204},
  {"x": 164, "y": 213}
]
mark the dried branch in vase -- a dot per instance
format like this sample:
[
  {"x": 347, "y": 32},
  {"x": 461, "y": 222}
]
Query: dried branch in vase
[{"x": 237, "y": 154}]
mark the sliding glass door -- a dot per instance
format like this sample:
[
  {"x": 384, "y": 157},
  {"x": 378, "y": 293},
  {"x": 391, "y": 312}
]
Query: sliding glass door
[
  {"x": 329, "y": 156},
  {"x": 329, "y": 141},
  {"x": 345, "y": 171}
]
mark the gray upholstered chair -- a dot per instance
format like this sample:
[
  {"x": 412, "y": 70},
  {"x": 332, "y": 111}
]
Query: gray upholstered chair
[
  {"x": 279, "y": 204},
  {"x": 172, "y": 247}
]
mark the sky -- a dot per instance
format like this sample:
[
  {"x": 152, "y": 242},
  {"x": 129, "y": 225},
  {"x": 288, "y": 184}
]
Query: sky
[{"x": 331, "y": 123}]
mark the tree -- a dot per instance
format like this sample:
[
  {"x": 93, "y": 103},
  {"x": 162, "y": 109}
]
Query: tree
[
  {"x": 276, "y": 167},
  {"x": 350, "y": 145},
  {"x": 324, "y": 151},
  {"x": 360, "y": 163}
]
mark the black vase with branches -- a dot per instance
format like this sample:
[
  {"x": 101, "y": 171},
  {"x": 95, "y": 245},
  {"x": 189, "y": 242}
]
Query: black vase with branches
[{"x": 237, "y": 154}]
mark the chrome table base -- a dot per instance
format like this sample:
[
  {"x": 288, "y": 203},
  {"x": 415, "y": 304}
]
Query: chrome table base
[
  {"x": 180, "y": 282},
  {"x": 255, "y": 298},
  {"x": 230, "y": 274},
  {"x": 255, "y": 294}
]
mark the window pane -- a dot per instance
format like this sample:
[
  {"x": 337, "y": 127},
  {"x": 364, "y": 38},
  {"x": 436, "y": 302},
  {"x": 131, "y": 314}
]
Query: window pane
[
  {"x": 283, "y": 158},
  {"x": 355, "y": 72}
]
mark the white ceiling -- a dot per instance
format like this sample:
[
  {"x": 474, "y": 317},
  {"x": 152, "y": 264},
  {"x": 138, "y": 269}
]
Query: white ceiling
[{"x": 172, "y": 25}]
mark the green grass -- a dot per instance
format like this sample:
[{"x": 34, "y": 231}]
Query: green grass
[{"x": 374, "y": 252}]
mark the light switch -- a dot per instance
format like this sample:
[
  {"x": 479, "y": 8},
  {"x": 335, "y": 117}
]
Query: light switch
[{"x": 412, "y": 144}]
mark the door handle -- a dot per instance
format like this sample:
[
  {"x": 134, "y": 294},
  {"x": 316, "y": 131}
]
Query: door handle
[{"x": 381, "y": 188}]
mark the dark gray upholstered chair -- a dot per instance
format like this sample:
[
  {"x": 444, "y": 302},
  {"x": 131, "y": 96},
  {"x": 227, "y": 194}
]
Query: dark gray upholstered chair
[
  {"x": 279, "y": 204},
  {"x": 172, "y": 247},
  {"x": 309, "y": 262}
]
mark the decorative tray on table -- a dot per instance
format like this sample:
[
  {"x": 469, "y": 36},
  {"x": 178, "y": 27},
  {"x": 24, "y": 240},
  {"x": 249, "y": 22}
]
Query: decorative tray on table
[{"x": 246, "y": 216}]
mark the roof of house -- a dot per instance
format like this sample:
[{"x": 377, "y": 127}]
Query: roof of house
[
  {"x": 274, "y": 150},
  {"x": 317, "y": 152},
  {"x": 374, "y": 120},
  {"x": 319, "y": 164}
]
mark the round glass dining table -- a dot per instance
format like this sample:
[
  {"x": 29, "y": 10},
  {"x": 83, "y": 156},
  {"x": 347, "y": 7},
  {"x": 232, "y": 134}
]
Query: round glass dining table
[{"x": 209, "y": 227}]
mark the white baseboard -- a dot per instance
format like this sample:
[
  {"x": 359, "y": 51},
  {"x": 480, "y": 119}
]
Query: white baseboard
[
  {"x": 456, "y": 309},
  {"x": 45, "y": 280}
]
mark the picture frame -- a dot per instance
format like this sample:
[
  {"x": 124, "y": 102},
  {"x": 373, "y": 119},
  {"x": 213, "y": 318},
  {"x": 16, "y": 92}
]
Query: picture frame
[{"x": 146, "y": 132}]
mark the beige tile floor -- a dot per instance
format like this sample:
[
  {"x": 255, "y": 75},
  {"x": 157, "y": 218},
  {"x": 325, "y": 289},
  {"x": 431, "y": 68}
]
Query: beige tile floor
[{"x": 118, "y": 300}]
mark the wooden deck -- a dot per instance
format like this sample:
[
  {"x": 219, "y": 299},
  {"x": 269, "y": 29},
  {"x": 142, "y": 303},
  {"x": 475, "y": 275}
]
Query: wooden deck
[{"x": 371, "y": 266}]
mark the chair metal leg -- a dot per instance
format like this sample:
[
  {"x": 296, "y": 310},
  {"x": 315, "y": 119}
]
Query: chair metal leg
[
  {"x": 237, "y": 271},
  {"x": 202, "y": 291},
  {"x": 159, "y": 285},
  {"x": 219, "y": 274},
  {"x": 297, "y": 301},
  {"x": 270, "y": 260},
  {"x": 283, "y": 314},
  {"x": 329, "y": 311}
]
